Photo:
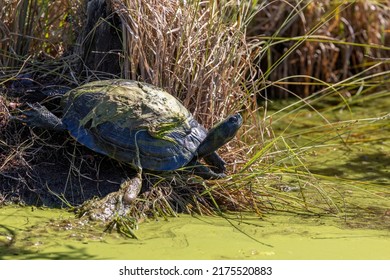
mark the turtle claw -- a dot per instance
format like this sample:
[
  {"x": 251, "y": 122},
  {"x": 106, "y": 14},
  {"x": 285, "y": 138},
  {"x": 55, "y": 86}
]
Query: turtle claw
[
  {"x": 205, "y": 172},
  {"x": 220, "y": 175},
  {"x": 220, "y": 167},
  {"x": 17, "y": 118},
  {"x": 28, "y": 117}
]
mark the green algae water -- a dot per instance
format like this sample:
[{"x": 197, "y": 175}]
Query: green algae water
[
  {"x": 347, "y": 157},
  {"x": 29, "y": 233},
  {"x": 346, "y": 150}
]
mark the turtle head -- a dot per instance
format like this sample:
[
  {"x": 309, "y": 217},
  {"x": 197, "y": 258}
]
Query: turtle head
[{"x": 220, "y": 134}]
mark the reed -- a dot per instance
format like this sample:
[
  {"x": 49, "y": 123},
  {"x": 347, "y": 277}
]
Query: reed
[{"x": 308, "y": 45}]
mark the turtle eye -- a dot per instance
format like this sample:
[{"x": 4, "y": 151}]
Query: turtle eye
[{"x": 233, "y": 119}]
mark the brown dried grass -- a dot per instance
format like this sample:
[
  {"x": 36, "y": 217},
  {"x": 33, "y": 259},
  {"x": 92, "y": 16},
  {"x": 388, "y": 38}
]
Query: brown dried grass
[
  {"x": 190, "y": 49},
  {"x": 44, "y": 29}
]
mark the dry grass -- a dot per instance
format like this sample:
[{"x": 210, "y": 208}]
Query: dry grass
[
  {"x": 44, "y": 29},
  {"x": 314, "y": 44},
  {"x": 190, "y": 49}
]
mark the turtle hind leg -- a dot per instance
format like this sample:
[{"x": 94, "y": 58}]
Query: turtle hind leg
[
  {"x": 131, "y": 188},
  {"x": 115, "y": 204},
  {"x": 40, "y": 116}
]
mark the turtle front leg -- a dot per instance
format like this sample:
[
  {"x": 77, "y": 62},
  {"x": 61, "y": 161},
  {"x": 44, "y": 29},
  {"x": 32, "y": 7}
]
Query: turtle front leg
[
  {"x": 204, "y": 172},
  {"x": 40, "y": 116},
  {"x": 215, "y": 162}
]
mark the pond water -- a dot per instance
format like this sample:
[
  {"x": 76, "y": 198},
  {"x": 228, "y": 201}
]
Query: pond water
[
  {"x": 350, "y": 159},
  {"x": 27, "y": 233}
]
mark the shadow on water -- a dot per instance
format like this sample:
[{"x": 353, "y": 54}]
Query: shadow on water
[
  {"x": 363, "y": 166},
  {"x": 370, "y": 166},
  {"x": 362, "y": 179},
  {"x": 12, "y": 248}
]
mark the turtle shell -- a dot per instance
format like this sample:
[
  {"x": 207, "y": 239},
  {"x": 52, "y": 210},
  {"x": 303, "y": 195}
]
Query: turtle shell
[{"x": 132, "y": 122}]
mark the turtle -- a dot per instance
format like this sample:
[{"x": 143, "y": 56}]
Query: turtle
[{"x": 139, "y": 124}]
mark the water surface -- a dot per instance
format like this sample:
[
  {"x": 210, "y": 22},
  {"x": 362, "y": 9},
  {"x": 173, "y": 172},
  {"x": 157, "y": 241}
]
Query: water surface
[{"x": 29, "y": 233}]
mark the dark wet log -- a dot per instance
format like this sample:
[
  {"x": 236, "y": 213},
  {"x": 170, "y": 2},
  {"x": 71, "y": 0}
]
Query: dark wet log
[{"x": 100, "y": 46}]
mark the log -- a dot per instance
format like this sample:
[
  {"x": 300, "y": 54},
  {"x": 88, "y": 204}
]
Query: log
[{"x": 100, "y": 42}]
